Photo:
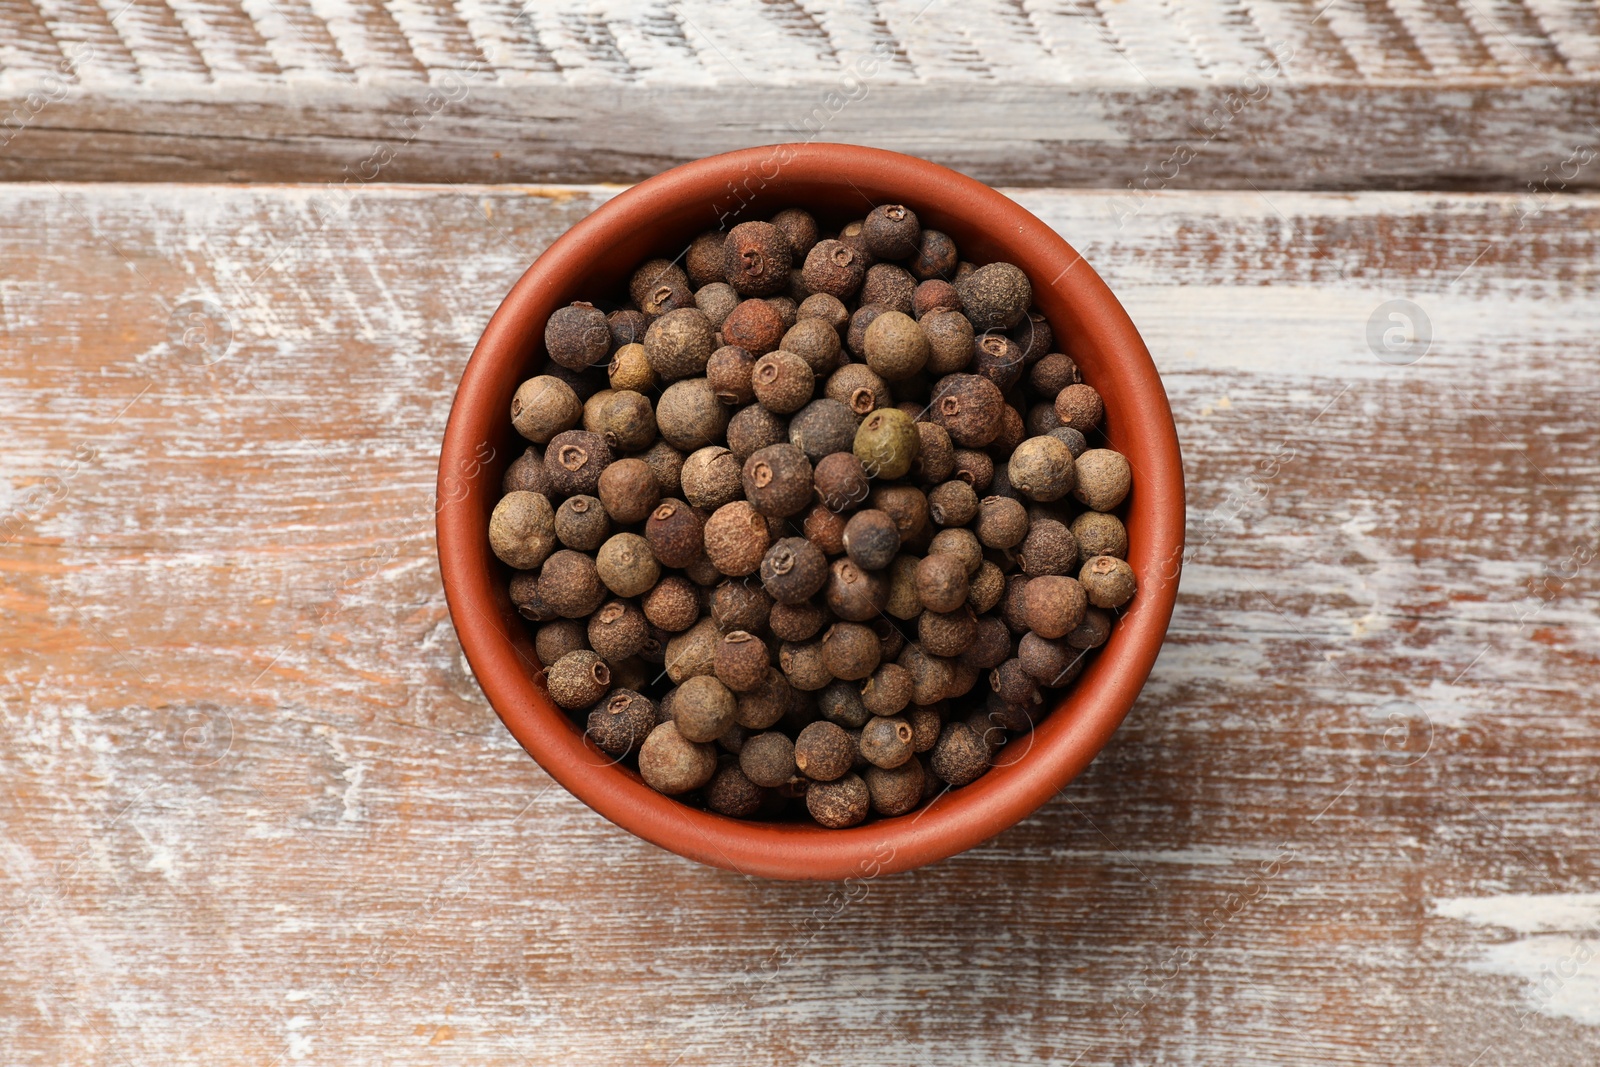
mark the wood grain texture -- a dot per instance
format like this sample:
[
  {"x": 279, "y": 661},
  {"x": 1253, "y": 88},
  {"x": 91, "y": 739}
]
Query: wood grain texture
[
  {"x": 1377, "y": 94},
  {"x": 255, "y": 809}
]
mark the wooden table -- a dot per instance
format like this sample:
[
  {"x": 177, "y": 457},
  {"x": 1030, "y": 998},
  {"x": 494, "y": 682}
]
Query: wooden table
[{"x": 256, "y": 810}]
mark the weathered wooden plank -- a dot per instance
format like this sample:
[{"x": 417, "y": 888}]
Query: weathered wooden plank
[
  {"x": 1282, "y": 93},
  {"x": 256, "y": 810}
]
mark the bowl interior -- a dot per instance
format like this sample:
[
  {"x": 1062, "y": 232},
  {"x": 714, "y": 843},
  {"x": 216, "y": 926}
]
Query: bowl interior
[{"x": 837, "y": 183}]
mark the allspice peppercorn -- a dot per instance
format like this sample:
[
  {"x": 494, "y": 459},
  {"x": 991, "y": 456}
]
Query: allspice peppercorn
[
  {"x": 672, "y": 764},
  {"x": 947, "y": 633},
  {"x": 577, "y": 679},
  {"x": 960, "y": 756},
  {"x": 627, "y": 421},
  {"x": 1103, "y": 478},
  {"x": 839, "y": 804},
  {"x": 814, "y": 341},
  {"x": 522, "y": 530},
  {"x": 777, "y": 480},
  {"x": 570, "y": 585},
  {"x": 936, "y": 457},
  {"x": 577, "y": 336},
  {"x": 1014, "y": 684},
  {"x": 666, "y": 463},
  {"x": 650, "y": 277},
  {"x": 1053, "y": 605},
  {"x": 834, "y": 268},
  {"x": 679, "y": 343},
  {"x": 997, "y": 358},
  {"x": 741, "y": 605},
  {"x": 950, "y": 339},
  {"x": 969, "y": 407},
  {"x": 627, "y": 327},
  {"x": 628, "y": 490},
  {"x": 1053, "y": 373},
  {"x": 574, "y": 459},
  {"x": 840, "y": 481},
  {"x": 803, "y": 665},
  {"x": 703, "y": 708},
  {"x": 673, "y": 605},
  {"x": 753, "y": 428},
  {"x": 703, "y": 262},
  {"x": 986, "y": 588},
  {"x": 1093, "y": 631},
  {"x": 822, "y": 428},
  {"x": 688, "y": 415},
  {"x": 782, "y": 382},
  {"x": 767, "y": 759},
  {"x": 1107, "y": 581},
  {"x": 891, "y": 231},
  {"x": 840, "y": 704},
  {"x": 731, "y": 793},
  {"x": 976, "y": 469},
  {"x": 853, "y": 594},
  {"x": 990, "y": 645},
  {"x": 936, "y": 256},
  {"x": 618, "y": 631},
  {"x": 890, "y": 286},
  {"x": 712, "y": 476},
  {"x": 626, "y": 565},
  {"x": 995, "y": 296},
  {"x": 555, "y": 639},
  {"x": 824, "y": 528},
  {"x": 621, "y": 722},
  {"x": 754, "y": 326},
  {"x": 525, "y": 596},
  {"x": 1049, "y": 548},
  {"x": 887, "y": 443},
  {"x": 716, "y": 301},
  {"x": 796, "y": 622},
  {"x": 1041, "y": 468},
  {"x": 935, "y": 294},
  {"x": 1100, "y": 535},
  {"x": 799, "y": 227},
  {"x": 823, "y": 751},
  {"x": 952, "y": 503},
  {"x": 855, "y": 335},
  {"x": 543, "y": 406},
  {"x": 895, "y": 346},
  {"x": 793, "y": 570},
  {"x": 897, "y": 790},
  {"x": 763, "y": 707},
  {"x": 1045, "y": 660},
  {"x": 1080, "y": 407},
  {"x": 942, "y": 582},
  {"x": 824, "y": 306},
  {"x": 736, "y": 539},
  {"x": 526, "y": 473},
  {"x": 741, "y": 661},
  {"x": 887, "y": 741},
  {"x": 871, "y": 540},
  {"x": 728, "y": 370},
  {"x": 676, "y": 534},
  {"x": 850, "y": 651},
  {"x": 756, "y": 258}
]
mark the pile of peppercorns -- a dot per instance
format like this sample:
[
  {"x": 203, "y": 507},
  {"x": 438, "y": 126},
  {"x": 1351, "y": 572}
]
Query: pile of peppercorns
[{"x": 863, "y": 485}]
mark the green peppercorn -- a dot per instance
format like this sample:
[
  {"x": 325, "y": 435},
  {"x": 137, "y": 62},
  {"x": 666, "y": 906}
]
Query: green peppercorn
[
  {"x": 1108, "y": 581},
  {"x": 522, "y": 530},
  {"x": 621, "y": 721},
  {"x": 736, "y": 539},
  {"x": 756, "y": 258},
  {"x": 887, "y": 443},
  {"x": 793, "y": 570},
  {"x": 1103, "y": 478},
  {"x": 777, "y": 480},
  {"x": 782, "y": 382},
  {"x": 688, "y": 415},
  {"x": 672, "y": 764},
  {"x": 577, "y": 337}
]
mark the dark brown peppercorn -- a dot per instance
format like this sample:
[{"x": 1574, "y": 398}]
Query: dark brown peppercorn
[
  {"x": 782, "y": 381},
  {"x": 840, "y": 481},
  {"x": 555, "y": 639},
  {"x": 926, "y": 722},
  {"x": 824, "y": 306},
  {"x": 728, "y": 371},
  {"x": 936, "y": 256},
  {"x": 1106, "y": 580},
  {"x": 741, "y": 661},
  {"x": 627, "y": 327},
  {"x": 1041, "y": 419},
  {"x": 1092, "y": 631},
  {"x": 887, "y": 742},
  {"x": 577, "y": 336},
  {"x": 796, "y": 622},
  {"x": 839, "y": 804},
  {"x": 942, "y": 582},
  {"x": 688, "y": 415},
  {"x": 950, "y": 339},
  {"x": 990, "y": 645},
  {"x": 960, "y": 756},
  {"x": 887, "y": 691},
  {"x": 754, "y": 326},
  {"x": 1100, "y": 535},
  {"x": 672, "y": 764},
  {"x": 767, "y": 759},
  {"x": 650, "y": 277},
  {"x": 891, "y": 231},
  {"x": 855, "y": 336},
  {"x": 574, "y": 460},
  {"x": 835, "y": 269},
  {"x": 577, "y": 679},
  {"x": 731, "y": 793},
  {"x": 814, "y": 341},
  {"x": 930, "y": 675},
  {"x": 935, "y": 294},
  {"x": 1014, "y": 684},
  {"x": 1049, "y": 548},
  {"x": 961, "y": 543},
  {"x": 1053, "y": 605},
  {"x": 1011, "y": 433},
  {"x": 969, "y": 407},
  {"x": 793, "y": 570},
  {"x": 777, "y": 480},
  {"x": 871, "y": 539},
  {"x": 947, "y": 633},
  {"x": 1103, "y": 478},
  {"x": 840, "y": 703},
  {"x": 788, "y": 311},
  {"x": 905, "y": 504},
  {"x": 1033, "y": 335},
  {"x": 952, "y": 504},
  {"x": 530, "y": 605},
  {"x": 756, "y": 258},
  {"x": 1080, "y": 407},
  {"x": 822, "y": 428},
  {"x": 741, "y": 605},
  {"x": 666, "y": 463},
  {"x": 703, "y": 262},
  {"x": 1041, "y": 468},
  {"x": 764, "y": 706},
  {"x": 736, "y": 538},
  {"x": 975, "y": 468},
  {"x": 853, "y": 594},
  {"x": 618, "y": 631},
  {"x": 628, "y": 491},
  {"x": 995, "y": 296},
  {"x": 890, "y": 286},
  {"x": 997, "y": 358},
  {"x": 897, "y": 790},
  {"x": 823, "y": 751},
  {"x": 621, "y": 722},
  {"x": 526, "y": 474},
  {"x": 824, "y": 528},
  {"x": 1054, "y": 373},
  {"x": 673, "y": 605},
  {"x": 570, "y": 585},
  {"x": 712, "y": 476},
  {"x": 986, "y": 587},
  {"x": 1046, "y": 661},
  {"x": 679, "y": 343},
  {"x": 803, "y": 665},
  {"x": 1011, "y": 603},
  {"x": 799, "y": 227},
  {"x": 753, "y": 428},
  {"x": 676, "y": 534},
  {"x": 936, "y": 457},
  {"x": 850, "y": 650}
]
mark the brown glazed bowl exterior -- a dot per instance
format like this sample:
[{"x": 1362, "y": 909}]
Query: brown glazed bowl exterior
[{"x": 838, "y": 182}]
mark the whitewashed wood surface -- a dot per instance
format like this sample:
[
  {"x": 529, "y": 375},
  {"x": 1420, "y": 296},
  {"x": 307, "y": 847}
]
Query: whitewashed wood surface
[
  {"x": 254, "y": 809},
  {"x": 1458, "y": 94}
]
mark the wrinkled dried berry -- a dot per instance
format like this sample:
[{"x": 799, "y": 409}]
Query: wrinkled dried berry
[
  {"x": 753, "y": 428},
  {"x": 628, "y": 491},
  {"x": 1103, "y": 478},
  {"x": 1080, "y": 407},
  {"x": 756, "y": 258},
  {"x": 853, "y": 594},
  {"x": 969, "y": 407},
  {"x": 754, "y": 326},
  {"x": 895, "y": 346},
  {"x": 1108, "y": 581},
  {"x": 577, "y": 679},
  {"x": 688, "y": 415},
  {"x": 729, "y": 371},
  {"x": 626, "y": 565},
  {"x": 577, "y": 336},
  {"x": 736, "y": 538},
  {"x": 544, "y": 406},
  {"x": 621, "y": 722},
  {"x": 522, "y": 530},
  {"x": 782, "y": 382},
  {"x": 793, "y": 570},
  {"x": 672, "y": 764},
  {"x": 823, "y": 427},
  {"x": 995, "y": 296},
  {"x": 570, "y": 585},
  {"x": 618, "y": 631}
]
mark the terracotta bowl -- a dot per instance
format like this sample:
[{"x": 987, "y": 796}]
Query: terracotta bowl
[{"x": 837, "y": 182}]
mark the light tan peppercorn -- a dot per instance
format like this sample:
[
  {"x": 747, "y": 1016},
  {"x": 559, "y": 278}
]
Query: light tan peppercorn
[
  {"x": 522, "y": 530},
  {"x": 689, "y": 416},
  {"x": 711, "y": 477},
  {"x": 692, "y": 653},
  {"x": 673, "y": 605},
  {"x": 626, "y": 565},
  {"x": 578, "y": 679},
  {"x": 1103, "y": 478},
  {"x": 544, "y": 406},
  {"x": 1108, "y": 581},
  {"x": 672, "y": 764}
]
